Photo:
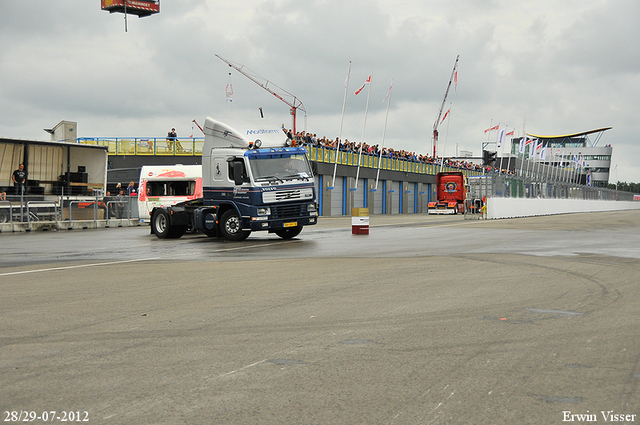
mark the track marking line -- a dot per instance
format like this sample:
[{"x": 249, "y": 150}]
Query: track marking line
[
  {"x": 77, "y": 266},
  {"x": 241, "y": 369}
]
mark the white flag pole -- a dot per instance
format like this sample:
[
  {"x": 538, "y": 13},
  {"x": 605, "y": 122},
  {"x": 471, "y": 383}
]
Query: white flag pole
[
  {"x": 524, "y": 139},
  {"x": 366, "y": 111},
  {"x": 500, "y": 146},
  {"x": 384, "y": 132},
  {"x": 446, "y": 134},
  {"x": 344, "y": 103}
]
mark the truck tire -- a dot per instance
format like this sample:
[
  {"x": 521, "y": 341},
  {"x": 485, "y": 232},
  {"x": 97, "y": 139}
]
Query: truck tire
[
  {"x": 4, "y": 216},
  {"x": 289, "y": 232},
  {"x": 231, "y": 227},
  {"x": 177, "y": 231},
  {"x": 211, "y": 233},
  {"x": 162, "y": 228},
  {"x": 160, "y": 224}
]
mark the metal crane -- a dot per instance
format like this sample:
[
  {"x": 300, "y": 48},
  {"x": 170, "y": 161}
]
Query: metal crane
[
  {"x": 196, "y": 122},
  {"x": 435, "y": 124},
  {"x": 294, "y": 103}
]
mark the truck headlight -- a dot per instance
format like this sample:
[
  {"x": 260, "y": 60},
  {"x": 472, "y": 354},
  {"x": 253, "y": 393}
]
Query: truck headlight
[
  {"x": 264, "y": 211},
  {"x": 312, "y": 209}
]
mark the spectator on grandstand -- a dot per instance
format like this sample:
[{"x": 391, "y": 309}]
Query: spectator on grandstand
[
  {"x": 171, "y": 138},
  {"x": 307, "y": 139}
]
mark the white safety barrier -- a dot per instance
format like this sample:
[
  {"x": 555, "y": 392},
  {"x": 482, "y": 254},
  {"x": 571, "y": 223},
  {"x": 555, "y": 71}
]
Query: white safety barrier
[{"x": 527, "y": 207}]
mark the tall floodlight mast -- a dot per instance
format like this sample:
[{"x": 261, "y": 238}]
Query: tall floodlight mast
[
  {"x": 141, "y": 8},
  {"x": 435, "y": 124},
  {"x": 288, "y": 98}
]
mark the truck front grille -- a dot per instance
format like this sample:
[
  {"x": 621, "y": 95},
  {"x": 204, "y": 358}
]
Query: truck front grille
[
  {"x": 287, "y": 195},
  {"x": 287, "y": 211}
]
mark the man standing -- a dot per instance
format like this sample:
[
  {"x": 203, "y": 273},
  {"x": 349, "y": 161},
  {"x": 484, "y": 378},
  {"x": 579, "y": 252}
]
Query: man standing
[
  {"x": 120, "y": 204},
  {"x": 171, "y": 138},
  {"x": 19, "y": 178}
]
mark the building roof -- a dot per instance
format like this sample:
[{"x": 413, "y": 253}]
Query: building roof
[{"x": 564, "y": 136}]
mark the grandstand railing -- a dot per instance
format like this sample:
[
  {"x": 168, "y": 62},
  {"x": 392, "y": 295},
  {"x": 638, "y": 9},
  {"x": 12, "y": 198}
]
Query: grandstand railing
[
  {"x": 192, "y": 146},
  {"x": 328, "y": 155},
  {"x": 148, "y": 146}
]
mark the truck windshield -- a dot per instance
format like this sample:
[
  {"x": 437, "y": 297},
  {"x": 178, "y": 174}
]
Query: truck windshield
[{"x": 282, "y": 168}]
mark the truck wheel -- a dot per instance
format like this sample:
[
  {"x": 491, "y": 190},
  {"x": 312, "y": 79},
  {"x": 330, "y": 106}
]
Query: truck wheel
[
  {"x": 160, "y": 224},
  {"x": 177, "y": 231},
  {"x": 211, "y": 233},
  {"x": 289, "y": 232},
  {"x": 231, "y": 227}
]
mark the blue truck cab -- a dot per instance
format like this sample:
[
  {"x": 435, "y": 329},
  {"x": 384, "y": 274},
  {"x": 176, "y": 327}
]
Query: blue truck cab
[{"x": 253, "y": 180}]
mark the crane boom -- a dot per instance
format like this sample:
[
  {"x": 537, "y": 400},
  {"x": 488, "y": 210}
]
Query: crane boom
[
  {"x": 446, "y": 94},
  {"x": 196, "y": 122},
  {"x": 294, "y": 103}
]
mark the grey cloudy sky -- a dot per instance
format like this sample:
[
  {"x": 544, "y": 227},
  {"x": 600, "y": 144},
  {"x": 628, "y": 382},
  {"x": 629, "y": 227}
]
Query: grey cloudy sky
[{"x": 544, "y": 66}]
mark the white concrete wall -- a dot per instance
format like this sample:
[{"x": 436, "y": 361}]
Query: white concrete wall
[{"x": 525, "y": 207}]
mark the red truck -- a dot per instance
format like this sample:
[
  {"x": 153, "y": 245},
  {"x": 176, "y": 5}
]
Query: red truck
[{"x": 450, "y": 187}]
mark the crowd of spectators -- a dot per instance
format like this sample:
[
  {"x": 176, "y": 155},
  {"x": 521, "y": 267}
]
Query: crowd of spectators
[{"x": 308, "y": 139}]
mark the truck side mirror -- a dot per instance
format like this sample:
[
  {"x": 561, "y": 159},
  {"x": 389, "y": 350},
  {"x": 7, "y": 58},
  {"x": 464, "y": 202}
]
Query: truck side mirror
[{"x": 238, "y": 170}]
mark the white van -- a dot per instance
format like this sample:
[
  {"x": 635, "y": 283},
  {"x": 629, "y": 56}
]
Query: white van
[{"x": 167, "y": 185}]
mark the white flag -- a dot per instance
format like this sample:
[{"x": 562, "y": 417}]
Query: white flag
[
  {"x": 532, "y": 148},
  {"x": 500, "y": 139}
]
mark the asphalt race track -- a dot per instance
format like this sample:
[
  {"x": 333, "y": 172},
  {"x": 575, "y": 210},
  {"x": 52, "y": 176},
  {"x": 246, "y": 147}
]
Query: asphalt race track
[{"x": 426, "y": 320}]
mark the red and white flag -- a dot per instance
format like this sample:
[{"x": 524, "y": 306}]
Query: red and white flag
[
  {"x": 493, "y": 128},
  {"x": 362, "y": 88},
  {"x": 510, "y": 133},
  {"x": 445, "y": 116},
  {"x": 388, "y": 93}
]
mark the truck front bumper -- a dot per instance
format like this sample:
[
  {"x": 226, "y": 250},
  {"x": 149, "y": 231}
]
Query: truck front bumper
[
  {"x": 255, "y": 223},
  {"x": 441, "y": 211}
]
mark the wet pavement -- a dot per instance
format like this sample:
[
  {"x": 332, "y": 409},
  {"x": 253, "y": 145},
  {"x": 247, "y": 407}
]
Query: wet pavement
[{"x": 424, "y": 320}]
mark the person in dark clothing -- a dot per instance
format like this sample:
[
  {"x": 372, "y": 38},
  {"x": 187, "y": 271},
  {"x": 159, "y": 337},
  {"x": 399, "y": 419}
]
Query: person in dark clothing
[
  {"x": 120, "y": 204},
  {"x": 19, "y": 178},
  {"x": 171, "y": 138}
]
